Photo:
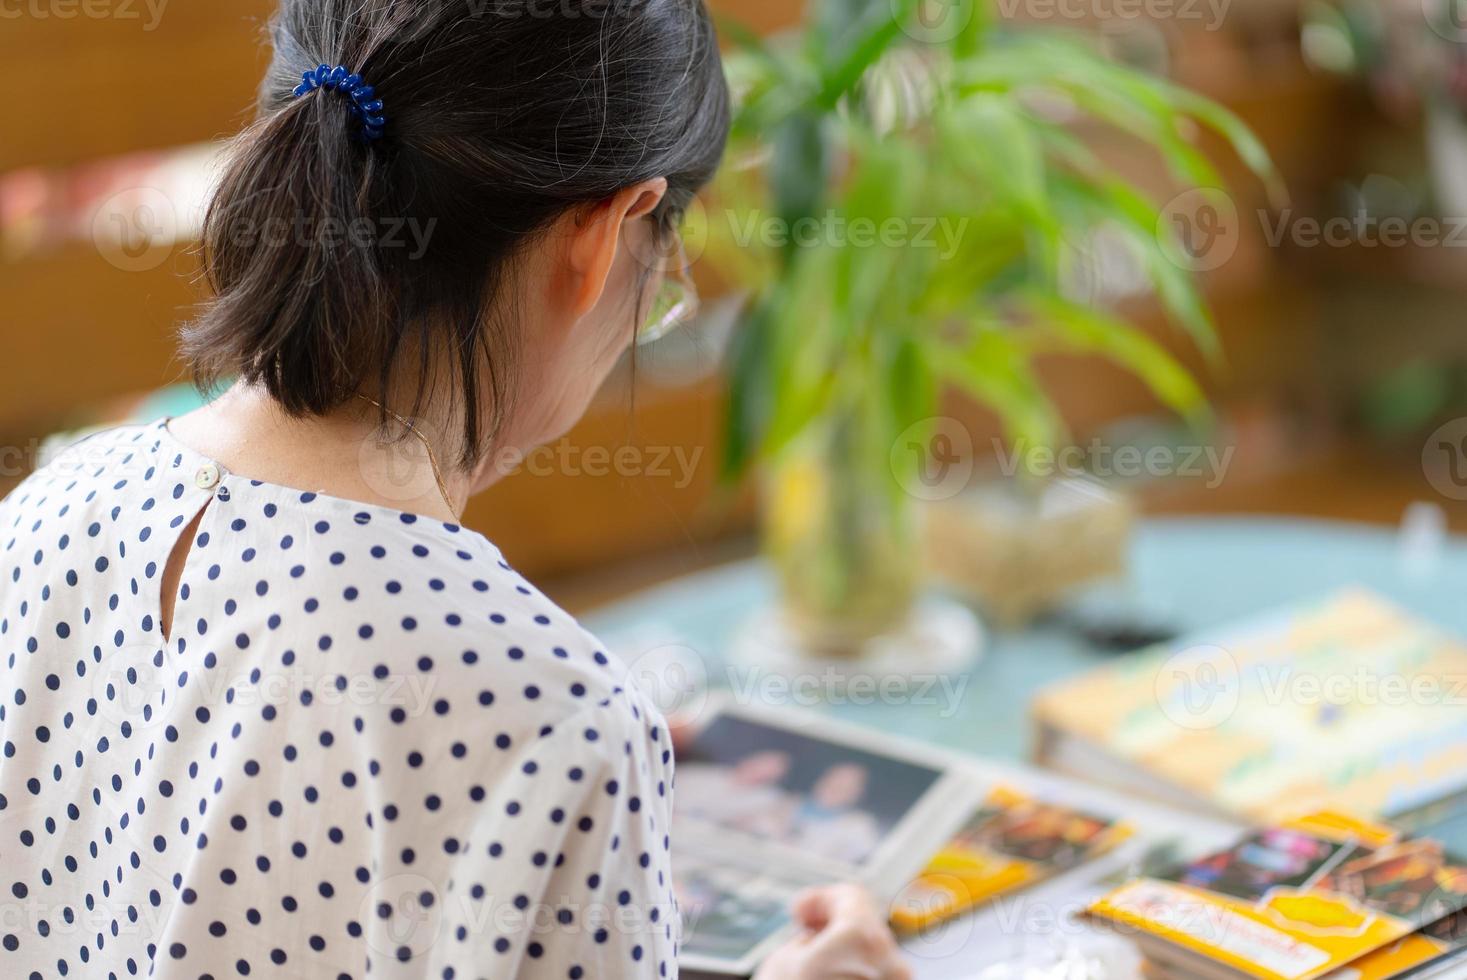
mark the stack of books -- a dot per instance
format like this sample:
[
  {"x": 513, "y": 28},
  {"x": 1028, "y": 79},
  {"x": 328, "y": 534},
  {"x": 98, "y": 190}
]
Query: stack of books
[{"x": 773, "y": 801}]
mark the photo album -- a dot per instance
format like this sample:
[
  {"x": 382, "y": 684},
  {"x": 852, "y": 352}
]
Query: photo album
[
  {"x": 768, "y": 803},
  {"x": 771, "y": 801}
]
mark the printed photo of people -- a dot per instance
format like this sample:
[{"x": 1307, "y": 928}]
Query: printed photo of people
[
  {"x": 833, "y": 801},
  {"x": 1269, "y": 859},
  {"x": 1413, "y": 880},
  {"x": 1056, "y": 836},
  {"x": 727, "y": 911}
]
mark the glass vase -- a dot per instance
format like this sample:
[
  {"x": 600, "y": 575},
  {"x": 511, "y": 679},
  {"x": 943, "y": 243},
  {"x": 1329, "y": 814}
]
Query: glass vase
[{"x": 841, "y": 535}]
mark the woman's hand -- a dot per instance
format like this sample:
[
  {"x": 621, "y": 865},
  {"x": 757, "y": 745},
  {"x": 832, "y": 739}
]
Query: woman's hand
[{"x": 845, "y": 937}]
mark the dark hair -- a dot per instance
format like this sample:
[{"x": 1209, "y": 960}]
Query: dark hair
[{"x": 502, "y": 116}]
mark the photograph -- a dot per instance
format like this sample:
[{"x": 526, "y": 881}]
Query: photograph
[
  {"x": 1268, "y": 859},
  {"x": 819, "y": 797},
  {"x": 1414, "y": 879},
  {"x": 1033, "y": 831},
  {"x": 727, "y": 912}
]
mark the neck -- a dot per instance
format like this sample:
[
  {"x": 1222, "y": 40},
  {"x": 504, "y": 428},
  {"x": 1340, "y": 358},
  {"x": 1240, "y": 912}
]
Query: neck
[{"x": 347, "y": 453}]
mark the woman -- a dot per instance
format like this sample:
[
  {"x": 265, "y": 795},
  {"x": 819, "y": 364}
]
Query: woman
[{"x": 268, "y": 710}]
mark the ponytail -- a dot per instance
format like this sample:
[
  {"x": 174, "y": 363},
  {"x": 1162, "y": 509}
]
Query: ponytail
[
  {"x": 305, "y": 294},
  {"x": 339, "y": 264}
]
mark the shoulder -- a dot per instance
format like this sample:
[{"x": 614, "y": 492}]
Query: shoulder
[
  {"x": 76, "y": 462},
  {"x": 544, "y": 661},
  {"x": 437, "y": 606}
]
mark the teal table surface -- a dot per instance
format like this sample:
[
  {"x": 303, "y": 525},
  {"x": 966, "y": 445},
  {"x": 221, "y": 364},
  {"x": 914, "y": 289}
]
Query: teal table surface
[{"x": 1190, "y": 574}]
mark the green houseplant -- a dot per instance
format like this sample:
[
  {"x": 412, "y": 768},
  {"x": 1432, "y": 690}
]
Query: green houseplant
[{"x": 904, "y": 206}]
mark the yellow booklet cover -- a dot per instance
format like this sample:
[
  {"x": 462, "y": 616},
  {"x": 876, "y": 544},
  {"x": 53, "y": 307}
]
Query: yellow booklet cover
[
  {"x": 1408, "y": 957},
  {"x": 1425, "y": 954},
  {"x": 1010, "y": 842},
  {"x": 1346, "y": 703},
  {"x": 1296, "y": 900}
]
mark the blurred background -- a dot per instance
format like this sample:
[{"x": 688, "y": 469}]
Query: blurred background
[
  {"x": 1337, "y": 308},
  {"x": 1225, "y": 281}
]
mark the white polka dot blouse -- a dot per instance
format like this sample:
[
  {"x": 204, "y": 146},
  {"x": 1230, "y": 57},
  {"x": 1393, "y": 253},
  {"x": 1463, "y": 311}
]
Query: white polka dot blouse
[{"x": 368, "y": 748}]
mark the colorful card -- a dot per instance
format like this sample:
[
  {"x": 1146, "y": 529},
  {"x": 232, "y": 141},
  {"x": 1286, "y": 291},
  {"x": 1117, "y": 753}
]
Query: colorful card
[
  {"x": 1414, "y": 956},
  {"x": 1296, "y": 900},
  {"x": 1011, "y": 842}
]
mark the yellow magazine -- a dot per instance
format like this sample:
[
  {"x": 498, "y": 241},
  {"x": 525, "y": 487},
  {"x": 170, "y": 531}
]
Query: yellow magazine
[
  {"x": 1010, "y": 842},
  {"x": 1343, "y": 703},
  {"x": 1438, "y": 947},
  {"x": 1297, "y": 900},
  {"x": 1409, "y": 957}
]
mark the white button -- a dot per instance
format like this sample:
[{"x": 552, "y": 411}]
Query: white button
[{"x": 207, "y": 478}]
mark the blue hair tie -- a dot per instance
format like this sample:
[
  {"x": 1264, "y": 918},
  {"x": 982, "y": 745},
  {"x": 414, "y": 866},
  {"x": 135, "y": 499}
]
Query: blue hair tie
[{"x": 366, "y": 108}]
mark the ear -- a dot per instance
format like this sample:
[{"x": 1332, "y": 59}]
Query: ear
[{"x": 597, "y": 234}]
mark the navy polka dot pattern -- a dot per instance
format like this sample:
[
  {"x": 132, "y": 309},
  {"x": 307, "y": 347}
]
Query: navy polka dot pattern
[{"x": 367, "y": 748}]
